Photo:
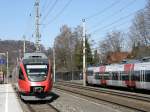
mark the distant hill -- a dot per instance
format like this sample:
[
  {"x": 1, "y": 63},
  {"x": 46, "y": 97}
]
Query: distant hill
[{"x": 15, "y": 49}]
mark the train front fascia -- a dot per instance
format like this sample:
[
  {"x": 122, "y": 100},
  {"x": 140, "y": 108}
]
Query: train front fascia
[
  {"x": 28, "y": 84},
  {"x": 30, "y": 87}
]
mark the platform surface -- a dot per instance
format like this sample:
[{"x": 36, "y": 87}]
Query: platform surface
[{"x": 8, "y": 99}]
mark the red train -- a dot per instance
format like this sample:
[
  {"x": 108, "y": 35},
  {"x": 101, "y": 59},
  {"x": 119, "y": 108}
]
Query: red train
[{"x": 35, "y": 77}]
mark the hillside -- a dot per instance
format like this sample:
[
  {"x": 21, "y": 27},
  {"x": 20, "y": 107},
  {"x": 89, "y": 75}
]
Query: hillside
[{"x": 15, "y": 48}]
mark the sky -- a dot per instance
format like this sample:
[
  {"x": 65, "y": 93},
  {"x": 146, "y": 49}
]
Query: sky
[{"x": 102, "y": 16}]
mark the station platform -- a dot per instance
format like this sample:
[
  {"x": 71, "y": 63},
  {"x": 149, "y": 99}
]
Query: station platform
[{"x": 8, "y": 99}]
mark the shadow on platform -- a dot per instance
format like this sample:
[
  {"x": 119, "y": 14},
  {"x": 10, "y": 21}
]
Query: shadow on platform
[{"x": 53, "y": 96}]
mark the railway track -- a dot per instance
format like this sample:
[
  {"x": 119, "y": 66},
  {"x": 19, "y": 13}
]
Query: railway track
[
  {"x": 132, "y": 95},
  {"x": 37, "y": 106},
  {"x": 40, "y": 107},
  {"x": 133, "y": 101}
]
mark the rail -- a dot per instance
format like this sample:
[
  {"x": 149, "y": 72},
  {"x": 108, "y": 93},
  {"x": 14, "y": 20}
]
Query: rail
[{"x": 126, "y": 99}]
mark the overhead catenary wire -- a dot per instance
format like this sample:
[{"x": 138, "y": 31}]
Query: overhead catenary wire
[
  {"x": 115, "y": 13},
  {"x": 114, "y": 22},
  {"x": 115, "y": 27},
  {"x": 58, "y": 14},
  {"x": 44, "y": 4},
  {"x": 27, "y": 29},
  {"x": 50, "y": 10},
  {"x": 103, "y": 10}
]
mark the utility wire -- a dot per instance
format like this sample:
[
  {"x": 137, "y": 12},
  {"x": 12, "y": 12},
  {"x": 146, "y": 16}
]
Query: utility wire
[
  {"x": 120, "y": 10},
  {"x": 102, "y": 11},
  {"x": 119, "y": 25},
  {"x": 44, "y": 5},
  {"x": 28, "y": 20},
  {"x": 118, "y": 20},
  {"x": 50, "y": 10},
  {"x": 59, "y": 14}
]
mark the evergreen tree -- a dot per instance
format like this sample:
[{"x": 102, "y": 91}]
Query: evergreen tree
[
  {"x": 89, "y": 56},
  {"x": 95, "y": 58},
  {"x": 78, "y": 55}
]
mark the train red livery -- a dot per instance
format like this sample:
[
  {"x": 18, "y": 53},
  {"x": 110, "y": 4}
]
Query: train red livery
[{"x": 34, "y": 77}]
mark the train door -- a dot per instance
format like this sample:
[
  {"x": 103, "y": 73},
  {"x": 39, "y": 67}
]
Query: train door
[
  {"x": 119, "y": 78},
  {"x": 90, "y": 76},
  {"x": 128, "y": 68},
  {"x": 110, "y": 78},
  {"x": 115, "y": 78},
  {"x": 147, "y": 79},
  {"x": 102, "y": 79},
  {"x": 109, "y": 74},
  {"x": 142, "y": 79}
]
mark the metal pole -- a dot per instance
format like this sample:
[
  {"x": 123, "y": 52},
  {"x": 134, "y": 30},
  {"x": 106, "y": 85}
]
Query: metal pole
[
  {"x": 37, "y": 3},
  {"x": 84, "y": 64},
  {"x": 24, "y": 45},
  {"x": 7, "y": 67},
  {"x": 54, "y": 68}
]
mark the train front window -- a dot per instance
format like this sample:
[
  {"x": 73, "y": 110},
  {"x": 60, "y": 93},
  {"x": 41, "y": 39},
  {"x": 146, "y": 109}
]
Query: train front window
[{"x": 36, "y": 72}]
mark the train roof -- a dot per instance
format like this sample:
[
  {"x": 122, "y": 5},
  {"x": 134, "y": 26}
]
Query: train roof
[
  {"x": 146, "y": 59},
  {"x": 35, "y": 58},
  {"x": 35, "y": 55},
  {"x": 128, "y": 61}
]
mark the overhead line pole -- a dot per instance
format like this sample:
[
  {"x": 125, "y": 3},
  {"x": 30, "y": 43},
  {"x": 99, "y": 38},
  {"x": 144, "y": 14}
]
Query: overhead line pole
[
  {"x": 84, "y": 48},
  {"x": 7, "y": 67},
  {"x": 24, "y": 44},
  {"x": 54, "y": 62},
  {"x": 37, "y": 32}
]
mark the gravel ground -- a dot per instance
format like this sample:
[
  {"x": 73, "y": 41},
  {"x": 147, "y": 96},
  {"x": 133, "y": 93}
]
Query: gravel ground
[{"x": 74, "y": 103}]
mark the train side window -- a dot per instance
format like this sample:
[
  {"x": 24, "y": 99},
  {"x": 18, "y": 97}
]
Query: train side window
[
  {"x": 114, "y": 76},
  {"x": 110, "y": 75},
  {"x": 106, "y": 76},
  {"x": 133, "y": 76},
  {"x": 89, "y": 73},
  {"x": 147, "y": 76},
  {"x": 124, "y": 76},
  {"x": 21, "y": 76},
  {"x": 97, "y": 76},
  {"x": 137, "y": 75}
]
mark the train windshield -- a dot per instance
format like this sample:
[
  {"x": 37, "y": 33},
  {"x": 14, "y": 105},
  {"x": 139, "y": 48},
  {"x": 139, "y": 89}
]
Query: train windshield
[{"x": 37, "y": 72}]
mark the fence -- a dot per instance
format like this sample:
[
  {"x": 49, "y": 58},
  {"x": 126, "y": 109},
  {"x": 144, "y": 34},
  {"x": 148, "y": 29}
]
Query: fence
[{"x": 69, "y": 75}]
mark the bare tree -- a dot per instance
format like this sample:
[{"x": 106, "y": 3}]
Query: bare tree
[
  {"x": 64, "y": 47},
  {"x": 112, "y": 43},
  {"x": 140, "y": 33},
  {"x": 138, "y": 30}
]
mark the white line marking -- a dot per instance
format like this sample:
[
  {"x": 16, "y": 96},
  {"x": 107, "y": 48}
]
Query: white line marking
[
  {"x": 6, "y": 100},
  {"x": 88, "y": 101}
]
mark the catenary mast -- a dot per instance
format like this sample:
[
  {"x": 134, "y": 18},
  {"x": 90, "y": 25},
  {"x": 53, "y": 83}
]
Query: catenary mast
[{"x": 37, "y": 29}]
